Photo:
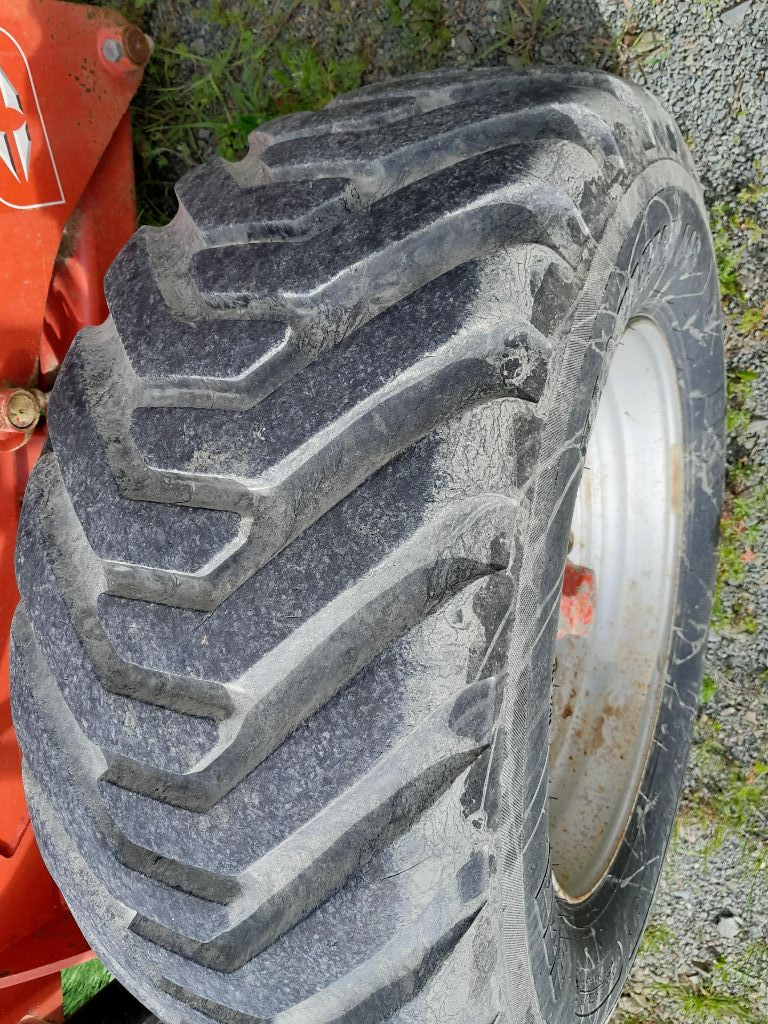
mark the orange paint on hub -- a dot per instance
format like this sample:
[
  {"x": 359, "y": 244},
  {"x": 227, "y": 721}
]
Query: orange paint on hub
[{"x": 577, "y": 602}]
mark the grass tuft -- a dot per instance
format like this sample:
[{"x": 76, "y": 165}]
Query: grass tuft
[
  {"x": 742, "y": 518},
  {"x": 192, "y": 103},
  {"x": 527, "y": 24},
  {"x": 732, "y": 990},
  {"x": 81, "y": 983},
  {"x": 736, "y": 229},
  {"x": 728, "y": 799}
]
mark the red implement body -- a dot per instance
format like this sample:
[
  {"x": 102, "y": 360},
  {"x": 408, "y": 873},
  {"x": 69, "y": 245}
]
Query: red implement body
[{"x": 67, "y": 75}]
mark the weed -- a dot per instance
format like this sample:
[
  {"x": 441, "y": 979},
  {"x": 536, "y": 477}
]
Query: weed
[
  {"x": 641, "y": 48},
  {"x": 657, "y": 936},
  {"x": 727, "y": 799},
  {"x": 632, "y": 48},
  {"x": 192, "y": 103},
  {"x": 736, "y": 228},
  {"x": 709, "y": 689},
  {"x": 730, "y": 989},
  {"x": 753, "y": 318},
  {"x": 706, "y": 1006},
  {"x": 733, "y": 989},
  {"x": 739, "y": 392},
  {"x": 526, "y": 27},
  {"x": 740, "y": 523},
  {"x": 424, "y": 33}
]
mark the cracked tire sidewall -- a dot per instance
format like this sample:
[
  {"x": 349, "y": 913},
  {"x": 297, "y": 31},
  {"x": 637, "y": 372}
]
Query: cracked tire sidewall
[{"x": 580, "y": 954}]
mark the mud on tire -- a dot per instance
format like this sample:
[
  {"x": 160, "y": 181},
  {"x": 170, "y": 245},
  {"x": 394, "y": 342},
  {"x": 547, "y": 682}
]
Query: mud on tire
[{"x": 291, "y": 566}]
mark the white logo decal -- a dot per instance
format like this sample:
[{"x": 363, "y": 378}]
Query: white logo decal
[
  {"x": 15, "y": 146},
  {"x": 29, "y": 178}
]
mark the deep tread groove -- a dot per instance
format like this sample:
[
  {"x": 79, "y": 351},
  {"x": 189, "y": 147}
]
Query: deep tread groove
[
  {"x": 300, "y": 874},
  {"x": 291, "y": 683}
]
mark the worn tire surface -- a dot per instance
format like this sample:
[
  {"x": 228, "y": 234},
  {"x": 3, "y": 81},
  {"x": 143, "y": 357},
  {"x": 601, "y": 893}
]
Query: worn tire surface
[{"x": 290, "y": 567}]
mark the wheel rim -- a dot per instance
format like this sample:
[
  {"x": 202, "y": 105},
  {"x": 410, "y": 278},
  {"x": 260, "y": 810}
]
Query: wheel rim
[{"x": 609, "y": 681}]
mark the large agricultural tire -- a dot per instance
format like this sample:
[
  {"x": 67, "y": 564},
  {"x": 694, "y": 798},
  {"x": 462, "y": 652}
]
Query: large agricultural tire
[{"x": 289, "y": 643}]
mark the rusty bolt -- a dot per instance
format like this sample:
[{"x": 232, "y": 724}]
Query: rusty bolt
[
  {"x": 137, "y": 46},
  {"x": 112, "y": 50},
  {"x": 23, "y": 408}
]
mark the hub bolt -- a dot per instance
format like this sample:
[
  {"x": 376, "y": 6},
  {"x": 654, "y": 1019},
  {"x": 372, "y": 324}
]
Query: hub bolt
[
  {"x": 112, "y": 49},
  {"x": 131, "y": 44}
]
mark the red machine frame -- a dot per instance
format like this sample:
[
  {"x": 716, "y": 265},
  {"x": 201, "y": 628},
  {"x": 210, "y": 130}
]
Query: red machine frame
[{"x": 67, "y": 75}]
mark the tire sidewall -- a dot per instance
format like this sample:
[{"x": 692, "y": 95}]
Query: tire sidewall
[{"x": 654, "y": 260}]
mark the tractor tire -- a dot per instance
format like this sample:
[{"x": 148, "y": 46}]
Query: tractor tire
[{"x": 305, "y": 738}]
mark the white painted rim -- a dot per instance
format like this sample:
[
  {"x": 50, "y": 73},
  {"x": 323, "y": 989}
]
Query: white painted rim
[{"x": 626, "y": 527}]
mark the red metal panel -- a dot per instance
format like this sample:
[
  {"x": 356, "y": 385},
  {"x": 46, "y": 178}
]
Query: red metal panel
[
  {"x": 67, "y": 75},
  {"x": 71, "y": 100}
]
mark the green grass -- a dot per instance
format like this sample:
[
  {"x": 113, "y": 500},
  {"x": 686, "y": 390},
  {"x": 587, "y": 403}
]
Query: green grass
[
  {"x": 740, "y": 524},
  {"x": 728, "y": 990},
  {"x": 706, "y": 1006},
  {"x": 728, "y": 799},
  {"x": 527, "y": 24},
  {"x": 192, "y": 103},
  {"x": 423, "y": 28},
  {"x": 656, "y": 937},
  {"x": 81, "y": 983},
  {"x": 733, "y": 989},
  {"x": 709, "y": 689},
  {"x": 736, "y": 227}
]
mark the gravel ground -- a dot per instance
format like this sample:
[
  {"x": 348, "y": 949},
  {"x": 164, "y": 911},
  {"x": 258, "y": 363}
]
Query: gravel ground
[
  {"x": 711, "y": 71},
  {"x": 706, "y": 956},
  {"x": 712, "y": 905},
  {"x": 714, "y": 902}
]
